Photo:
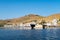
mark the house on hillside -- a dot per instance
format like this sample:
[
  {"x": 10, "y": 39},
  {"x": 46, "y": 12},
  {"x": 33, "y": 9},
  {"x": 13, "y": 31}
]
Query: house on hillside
[
  {"x": 26, "y": 25},
  {"x": 9, "y": 25},
  {"x": 34, "y": 24},
  {"x": 54, "y": 22}
]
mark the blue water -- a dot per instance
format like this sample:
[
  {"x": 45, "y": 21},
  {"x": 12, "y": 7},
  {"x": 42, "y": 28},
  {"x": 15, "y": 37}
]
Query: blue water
[{"x": 42, "y": 34}]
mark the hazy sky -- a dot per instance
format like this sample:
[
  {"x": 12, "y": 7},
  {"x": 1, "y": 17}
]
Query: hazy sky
[{"x": 18, "y": 8}]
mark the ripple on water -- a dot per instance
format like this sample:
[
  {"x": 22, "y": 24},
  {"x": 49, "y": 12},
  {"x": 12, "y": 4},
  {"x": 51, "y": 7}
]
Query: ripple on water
[{"x": 42, "y": 34}]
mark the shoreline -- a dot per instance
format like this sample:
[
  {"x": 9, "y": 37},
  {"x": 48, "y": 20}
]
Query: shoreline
[{"x": 29, "y": 28}]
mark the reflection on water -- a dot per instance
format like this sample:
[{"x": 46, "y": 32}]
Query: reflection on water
[{"x": 42, "y": 34}]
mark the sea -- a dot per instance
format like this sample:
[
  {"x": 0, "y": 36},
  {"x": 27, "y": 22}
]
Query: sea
[{"x": 31, "y": 34}]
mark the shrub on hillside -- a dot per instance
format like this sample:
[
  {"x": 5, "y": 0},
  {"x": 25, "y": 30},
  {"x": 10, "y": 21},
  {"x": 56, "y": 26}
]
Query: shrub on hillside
[{"x": 1, "y": 25}]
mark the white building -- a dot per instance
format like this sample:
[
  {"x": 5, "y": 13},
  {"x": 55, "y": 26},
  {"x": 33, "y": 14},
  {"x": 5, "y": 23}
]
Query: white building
[
  {"x": 8, "y": 25},
  {"x": 38, "y": 26},
  {"x": 54, "y": 21}
]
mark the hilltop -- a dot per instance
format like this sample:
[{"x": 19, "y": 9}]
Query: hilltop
[{"x": 26, "y": 18}]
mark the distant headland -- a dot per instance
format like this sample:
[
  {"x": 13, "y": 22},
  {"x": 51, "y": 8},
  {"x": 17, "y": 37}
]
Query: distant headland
[{"x": 30, "y": 18}]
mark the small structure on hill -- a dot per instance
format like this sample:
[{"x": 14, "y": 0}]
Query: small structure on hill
[
  {"x": 54, "y": 22},
  {"x": 8, "y": 25}
]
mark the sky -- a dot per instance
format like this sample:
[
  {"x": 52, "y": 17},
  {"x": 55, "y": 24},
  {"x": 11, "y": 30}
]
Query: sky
[{"x": 17, "y": 8}]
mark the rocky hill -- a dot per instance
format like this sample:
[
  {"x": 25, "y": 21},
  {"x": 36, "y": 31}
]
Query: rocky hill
[
  {"x": 30, "y": 18},
  {"x": 26, "y": 18},
  {"x": 51, "y": 17}
]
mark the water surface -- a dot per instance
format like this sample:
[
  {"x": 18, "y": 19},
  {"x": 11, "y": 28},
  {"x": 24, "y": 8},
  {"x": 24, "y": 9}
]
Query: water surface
[{"x": 41, "y": 34}]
